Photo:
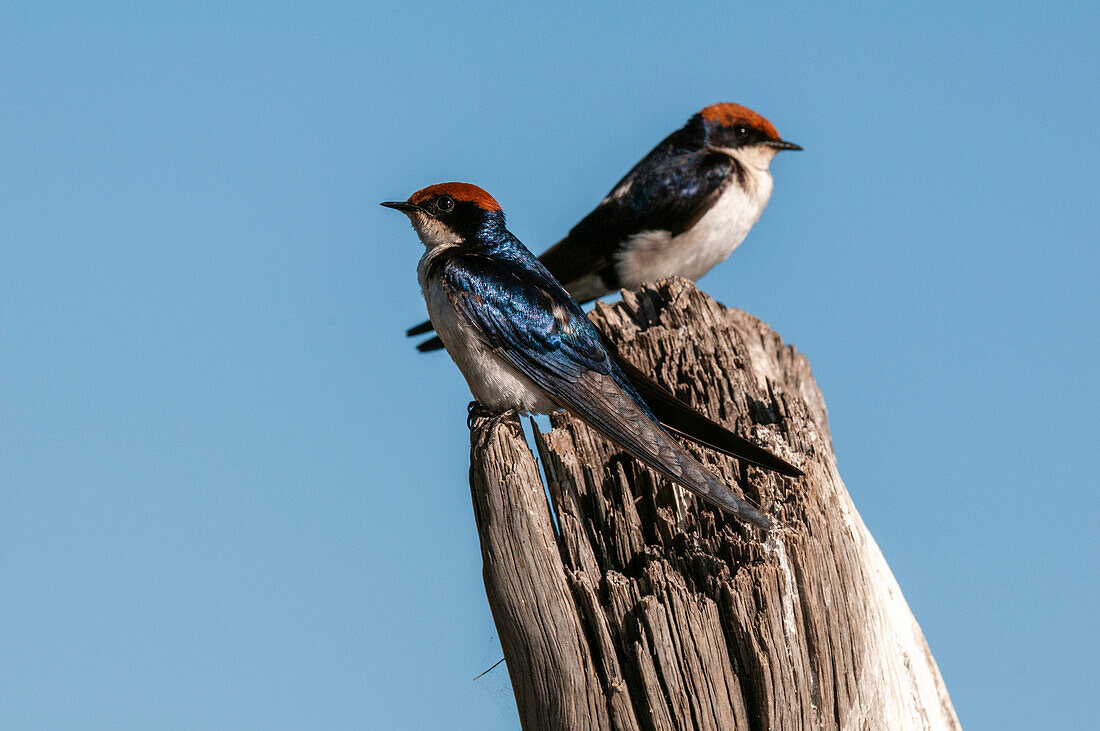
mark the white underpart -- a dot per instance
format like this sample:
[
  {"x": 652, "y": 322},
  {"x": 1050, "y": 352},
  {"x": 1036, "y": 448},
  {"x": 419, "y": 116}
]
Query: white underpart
[
  {"x": 653, "y": 255},
  {"x": 492, "y": 380}
]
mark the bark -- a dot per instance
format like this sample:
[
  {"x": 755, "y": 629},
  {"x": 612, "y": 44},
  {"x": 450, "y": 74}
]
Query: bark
[{"x": 635, "y": 606}]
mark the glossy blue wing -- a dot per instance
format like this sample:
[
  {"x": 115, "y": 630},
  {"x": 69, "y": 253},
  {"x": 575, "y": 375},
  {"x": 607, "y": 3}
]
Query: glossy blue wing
[
  {"x": 525, "y": 316},
  {"x": 521, "y": 312}
]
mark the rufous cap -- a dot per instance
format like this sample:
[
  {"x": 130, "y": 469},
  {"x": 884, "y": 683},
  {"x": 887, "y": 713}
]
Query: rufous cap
[
  {"x": 728, "y": 115},
  {"x": 460, "y": 192}
]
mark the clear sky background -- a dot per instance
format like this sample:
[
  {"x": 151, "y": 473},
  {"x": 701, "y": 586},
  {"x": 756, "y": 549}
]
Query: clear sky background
[{"x": 233, "y": 496}]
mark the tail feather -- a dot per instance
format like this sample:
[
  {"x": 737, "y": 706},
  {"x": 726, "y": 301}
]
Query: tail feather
[
  {"x": 679, "y": 418},
  {"x": 424, "y": 327},
  {"x": 430, "y": 344},
  {"x": 613, "y": 412},
  {"x": 699, "y": 480}
]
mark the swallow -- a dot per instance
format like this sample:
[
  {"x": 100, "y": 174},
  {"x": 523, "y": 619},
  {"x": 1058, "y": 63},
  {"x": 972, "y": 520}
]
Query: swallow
[
  {"x": 679, "y": 212},
  {"x": 525, "y": 346}
]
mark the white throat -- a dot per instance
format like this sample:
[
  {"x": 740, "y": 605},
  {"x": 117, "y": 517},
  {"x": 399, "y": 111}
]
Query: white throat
[
  {"x": 432, "y": 232},
  {"x": 756, "y": 157}
]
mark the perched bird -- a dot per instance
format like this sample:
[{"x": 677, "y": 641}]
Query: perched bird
[
  {"x": 525, "y": 346},
  {"x": 679, "y": 212}
]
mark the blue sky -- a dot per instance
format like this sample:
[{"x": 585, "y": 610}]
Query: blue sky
[{"x": 232, "y": 495}]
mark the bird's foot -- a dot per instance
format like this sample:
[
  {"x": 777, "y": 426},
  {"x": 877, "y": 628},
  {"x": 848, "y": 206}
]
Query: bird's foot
[{"x": 475, "y": 411}]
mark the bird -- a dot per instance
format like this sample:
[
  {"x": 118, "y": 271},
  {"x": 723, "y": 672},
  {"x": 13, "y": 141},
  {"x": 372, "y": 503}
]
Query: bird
[
  {"x": 525, "y": 346},
  {"x": 679, "y": 212}
]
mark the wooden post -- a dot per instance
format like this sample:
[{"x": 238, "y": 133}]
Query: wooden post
[{"x": 643, "y": 609}]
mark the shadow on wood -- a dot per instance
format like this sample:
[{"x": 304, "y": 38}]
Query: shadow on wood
[{"x": 645, "y": 609}]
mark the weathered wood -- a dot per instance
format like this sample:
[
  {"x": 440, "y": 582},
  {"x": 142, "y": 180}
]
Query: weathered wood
[{"x": 646, "y": 609}]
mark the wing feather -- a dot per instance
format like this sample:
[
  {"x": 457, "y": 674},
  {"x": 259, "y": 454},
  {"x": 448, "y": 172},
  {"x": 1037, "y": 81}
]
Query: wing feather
[
  {"x": 669, "y": 190},
  {"x": 545, "y": 335}
]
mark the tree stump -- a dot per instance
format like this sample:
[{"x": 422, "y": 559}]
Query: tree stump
[{"x": 636, "y": 606}]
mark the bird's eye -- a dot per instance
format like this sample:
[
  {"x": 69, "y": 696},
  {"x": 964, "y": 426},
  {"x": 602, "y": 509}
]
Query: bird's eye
[
  {"x": 445, "y": 203},
  {"x": 741, "y": 132}
]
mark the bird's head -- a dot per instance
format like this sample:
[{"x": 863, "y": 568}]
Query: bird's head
[
  {"x": 451, "y": 214},
  {"x": 741, "y": 132}
]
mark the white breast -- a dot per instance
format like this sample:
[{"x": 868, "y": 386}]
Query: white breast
[
  {"x": 492, "y": 380},
  {"x": 653, "y": 255}
]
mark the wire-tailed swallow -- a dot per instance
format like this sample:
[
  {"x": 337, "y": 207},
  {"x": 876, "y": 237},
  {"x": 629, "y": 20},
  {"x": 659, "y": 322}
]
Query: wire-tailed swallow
[{"x": 525, "y": 346}]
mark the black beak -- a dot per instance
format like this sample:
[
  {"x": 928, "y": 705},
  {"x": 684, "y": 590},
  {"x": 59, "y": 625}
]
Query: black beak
[
  {"x": 400, "y": 206},
  {"x": 779, "y": 145}
]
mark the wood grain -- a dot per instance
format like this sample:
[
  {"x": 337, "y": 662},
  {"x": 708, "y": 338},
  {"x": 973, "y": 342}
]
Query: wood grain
[{"x": 643, "y": 608}]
